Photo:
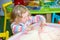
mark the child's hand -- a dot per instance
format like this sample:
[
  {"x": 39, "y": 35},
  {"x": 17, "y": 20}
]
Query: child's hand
[
  {"x": 41, "y": 27},
  {"x": 42, "y": 24},
  {"x": 29, "y": 28}
]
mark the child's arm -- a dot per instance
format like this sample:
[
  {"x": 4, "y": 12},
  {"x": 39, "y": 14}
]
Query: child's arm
[
  {"x": 30, "y": 27},
  {"x": 36, "y": 19},
  {"x": 17, "y": 28},
  {"x": 40, "y": 19}
]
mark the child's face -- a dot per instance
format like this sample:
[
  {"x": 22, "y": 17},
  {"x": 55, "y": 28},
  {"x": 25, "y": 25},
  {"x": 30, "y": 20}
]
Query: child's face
[{"x": 25, "y": 17}]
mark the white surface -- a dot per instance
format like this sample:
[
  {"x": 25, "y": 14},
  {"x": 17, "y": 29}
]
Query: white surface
[{"x": 48, "y": 33}]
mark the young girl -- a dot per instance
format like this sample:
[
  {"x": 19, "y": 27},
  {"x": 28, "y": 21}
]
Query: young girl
[{"x": 22, "y": 20}]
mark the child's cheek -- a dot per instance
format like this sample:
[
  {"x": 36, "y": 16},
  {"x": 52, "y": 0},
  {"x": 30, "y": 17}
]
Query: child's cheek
[{"x": 24, "y": 20}]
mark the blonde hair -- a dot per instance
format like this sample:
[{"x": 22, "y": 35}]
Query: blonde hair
[{"x": 18, "y": 10}]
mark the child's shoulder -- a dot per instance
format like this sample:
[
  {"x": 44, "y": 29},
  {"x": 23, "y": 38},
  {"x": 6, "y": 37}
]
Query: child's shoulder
[{"x": 20, "y": 24}]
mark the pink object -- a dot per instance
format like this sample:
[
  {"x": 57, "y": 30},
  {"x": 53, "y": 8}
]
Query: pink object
[
  {"x": 0, "y": 39},
  {"x": 50, "y": 31}
]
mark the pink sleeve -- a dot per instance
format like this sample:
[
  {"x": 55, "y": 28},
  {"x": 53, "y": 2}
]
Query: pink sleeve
[
  {"x": 16, "y": 28},
  {"x": 40, "y": 18}
]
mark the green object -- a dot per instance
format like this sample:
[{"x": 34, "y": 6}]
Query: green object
[
  {"x": 9, "y": 8},
  {"x": 1, "y": 23},
  {"x": 45, "y": 10},
  {"x": 50, "y": 3},
  {"x": 41, "y": 11},
  {"x": 8, "y": 28}
]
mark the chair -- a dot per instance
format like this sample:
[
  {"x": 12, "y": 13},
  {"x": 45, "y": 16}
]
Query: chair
[
  {"x": 57, "y": 17},
  {"x": 7, "y": 15},
  {"x": 5, "y": 34}
]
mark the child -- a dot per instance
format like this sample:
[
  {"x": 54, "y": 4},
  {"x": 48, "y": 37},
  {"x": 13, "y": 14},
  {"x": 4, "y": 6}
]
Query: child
[{"x": 22, "y": 20}]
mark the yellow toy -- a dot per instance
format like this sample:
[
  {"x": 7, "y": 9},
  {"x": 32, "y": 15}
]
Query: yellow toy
[
  {"x": 33, "y": 3},
  {"x": 5, "y": 34},
  {"x": 7, "y": 15}
]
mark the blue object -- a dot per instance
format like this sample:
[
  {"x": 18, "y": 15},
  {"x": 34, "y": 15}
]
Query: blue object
[
  {"x": 33, "y": 8},
  {"x": 57, "y": 2},
  {"x": 36, "y": 8},
  {"x": 54, "y": 16}
]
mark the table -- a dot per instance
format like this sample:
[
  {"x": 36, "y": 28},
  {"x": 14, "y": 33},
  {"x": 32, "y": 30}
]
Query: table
[{"x": 49, "y": 32}]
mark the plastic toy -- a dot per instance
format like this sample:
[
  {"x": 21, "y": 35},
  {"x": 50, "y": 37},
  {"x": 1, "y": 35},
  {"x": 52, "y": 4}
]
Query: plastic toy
[
  {"x": 59, "y": 22},
  {"x": 5, "y": 34},
  {"x": 9, "y": 8},
  {"x": 43, "y": 9},
  {"x": 57, "y": 17},
  {"x": 34, "y": 5},
  {"x": 57, "y": 2}
]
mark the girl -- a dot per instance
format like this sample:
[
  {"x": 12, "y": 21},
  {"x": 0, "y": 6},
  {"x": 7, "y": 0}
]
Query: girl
[{"x": 22, "y": 20}]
